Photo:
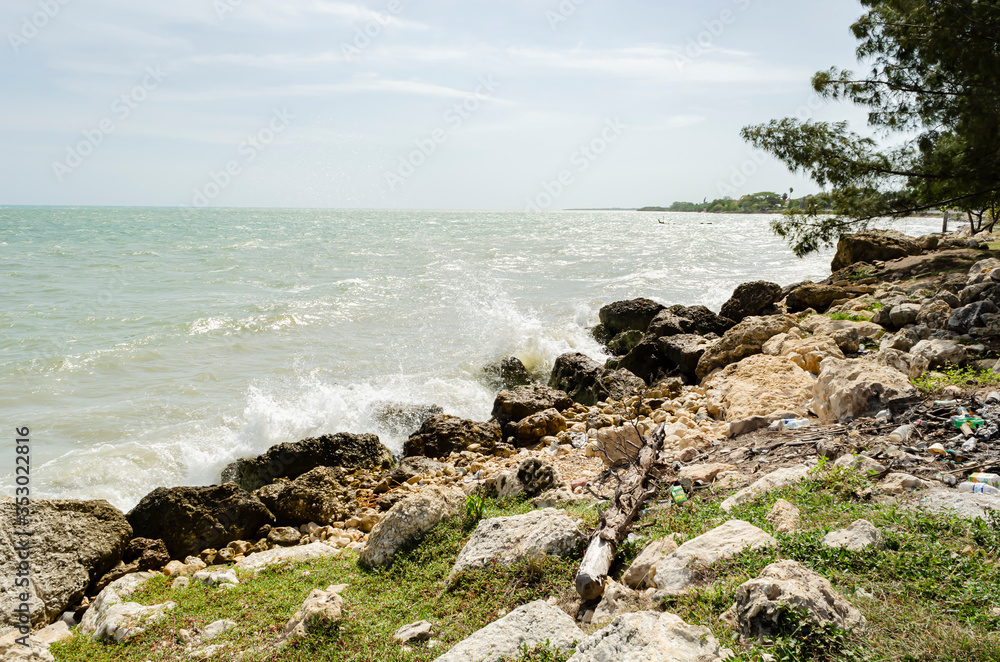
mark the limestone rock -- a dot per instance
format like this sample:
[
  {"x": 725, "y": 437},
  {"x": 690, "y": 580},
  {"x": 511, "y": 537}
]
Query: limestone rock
[
  {"x": 761, "y": 603},
  {"x": 529, "y": 430},
  {"x": 216, "y": 577},
  {"x": 678, "y": 571},
  {"x": 643, "y": 569},
  {"x": 897, "y": 483},
  {"x": 684, "y": 352},
  {"x": 291, "y": 460},
  {"x": 532, "y": 477},
  {"x": 321, "y": 608},
  {"x": 529, "y": 625},
  {"x": 74, "y": 544},
  {"x": 750, "y": 299},
  {"x": 872, "y": 245},
  {"x": 635, "y": 314},
  {"x": 862, "y": 463},
  {"x": 846, "y": 333},
  {"x": 616, "y": 600},
  {"x": 910, "y": 365},
  {"x": 934, "y": 314},
  {"x": 508, "y": 539},
  {"x": 759, "y": 386},
  {"x": 442, "y": 435},
  {"x": 955, "y": 503},
  {"x": 847, "y": 390},
  {"x": 519, "y": 403},
  {"x": 419, "y": 631},
  {"x": 860, "y": 535},
  {"x": 815, "y": 296},
  {"x": 940, "y": 353},
  {"x": 807, "y": 353},
  {"x": 700, "y": 320},
  {"x": 776, "y": 480},
  {"x": 110, "y": 618},
  {"x": 406, "y": 520},
  {"x": 39, "y": 641},
  {"x": 320, "y": 495},
  {"x": 617, "y": 442},
  {"x": 624, "y": 342},
  {"x": 190, "y": 519},
  {"x": 783, "y": 517},
  {"x": 282, "y": 555},
  {"x": 745, "y": 339},
  {"x": 705, "y": 473},
  {"x": 650, "y": 636},
  {"x": 148, "y": 554}
]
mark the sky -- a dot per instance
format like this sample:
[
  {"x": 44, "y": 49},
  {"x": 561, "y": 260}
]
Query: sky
[{"x": 408, "y": 104}]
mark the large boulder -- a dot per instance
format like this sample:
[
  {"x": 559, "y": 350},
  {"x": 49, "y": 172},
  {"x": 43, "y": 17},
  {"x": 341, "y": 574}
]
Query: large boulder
[
  {"x": 848, "y": 335},
  {"x": 750, "y": 299},
  {"x": 632, "y": 315},
  {"x": 442, "y": 435},
  {"x": 776, "y": 480},
  {"x": 745, "y": 339},
  {"x": 190, "y": 519},
  {"x": 73, "y": 544},
  {"x": 507, "y": 373},
  {"x": 505, "y": 540},
  {"x": 958, "y": 504},
  {"x": 701, "y": 320},
  {"x": 321, "y": 495},
  {"x": 807, "y": 353},
  {"x": 872, "y": 245},
  {"x": 816, "y": 296},
  {"x": 650, "y": 636},
  {"x": 763, "y": 605},
  {"x": 588, "y": 382},
  {"x": 407, "y": 520},
  {"x": 681, "y": 570},
  {"x": 291, "y": 460},
  {"x": 963, "y": 319},
  {"x": 847, "y": 390},
  {"x": 910, "y": 365},
  {"x": 646, "y": 360},
  {"x": 111, "y": 619},
  {"x": 940, "y": 353},
  {"x": 528, "y": 626},
  {"x": 759, "y": 385},
  {"x": 530, "y": 430},
  {"x": 642, "y": 572},
  {"x": 684, "y": 352},
  {"x": 517, "y": 404}
]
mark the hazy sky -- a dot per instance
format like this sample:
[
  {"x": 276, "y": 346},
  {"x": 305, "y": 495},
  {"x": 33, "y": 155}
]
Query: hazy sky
[{"x": 404, "y": 103}]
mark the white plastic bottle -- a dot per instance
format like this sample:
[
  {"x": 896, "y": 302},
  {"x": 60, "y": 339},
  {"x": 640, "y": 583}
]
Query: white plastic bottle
[{"x": 979, "y": 488}]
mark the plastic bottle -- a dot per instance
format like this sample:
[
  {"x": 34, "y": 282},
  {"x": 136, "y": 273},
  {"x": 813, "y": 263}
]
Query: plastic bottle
[
  {"x": 979, "y": 488},
  {"x": 969, "y": 445},
  {"x": 987, "y": 479},
  {"x": 901, "y": 434},
  {"x": 945, "y": 403},
  {"x": 794, "y": 423}
]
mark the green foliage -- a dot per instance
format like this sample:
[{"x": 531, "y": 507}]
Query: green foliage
[
  {"x": 474, "y": 506},
  {"x": 801, "y": 639},
  {"x": 851, "y": 317},
  {"x": 933, "y": 82},
  {"x": 756, "y": 203},
  {"x": 934, "y": 381}
]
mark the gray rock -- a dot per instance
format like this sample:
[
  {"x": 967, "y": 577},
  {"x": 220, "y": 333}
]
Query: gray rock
[
  {"x": 864, "y": 464},
  {"x": 910, "y": 365},
  {"x": 419, "y": 631},
  {"x": 934, "y": 314},
  {"x": 904, "y": 314},
  {"x": 762, "y": 603},
  {"x": 294, "y": 459},
  {"x": 406, "y": 520},
  {"x": 848, "y": 389},
  {"x": 508, "y": 539},
  {"x": 74, "y": 543},
  {"x": 282, "y": 555},
  {"x": 678, "y": 571},
  {"x": 319, "y": 609},
  {"x": 650, "y": 636},
  {"x": 897, "y": 483},
  {"x": 320, "y": 495},
  {"x": 940, "y": 353},
  {"x": 635, "y": 314},
  {"x": 962, "y": 320},
  {"x": 110, "y": 618},
  {"x": 588, "y": 382},
  {"x": 750, "y": 299},
  {"x": 783, "y": 517},
  {"x": 517, "y": 404},
  {"x": 685, "y": 351},
  {"x": 860, "y": 535},
  {"x": 216, "y": 577},
  {"x": 776, "y": 480},
  {"x": 616, "y": 600},
  {"x": 529, "y": 625},
  {"x": 953, "y": 502},
  {"x": 903, "y": 340},
  {"x": 642, "y": 572}
]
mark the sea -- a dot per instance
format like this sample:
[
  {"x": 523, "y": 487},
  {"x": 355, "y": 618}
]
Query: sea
[{"x": 149, "y": 347}]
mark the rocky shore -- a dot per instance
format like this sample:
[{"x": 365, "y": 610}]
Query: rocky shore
[{"x": 848, "y": 387}]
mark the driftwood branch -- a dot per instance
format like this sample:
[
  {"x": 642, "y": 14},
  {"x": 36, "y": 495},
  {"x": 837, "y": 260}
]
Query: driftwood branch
[{"x": 633, "y": 489}]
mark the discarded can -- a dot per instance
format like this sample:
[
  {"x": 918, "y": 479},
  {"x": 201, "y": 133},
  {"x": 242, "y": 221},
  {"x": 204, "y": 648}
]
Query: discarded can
[
  {"x": 677, "y": 494},
  {"x": 988, "y": 479},
  {"x": 979, "y": 488}
]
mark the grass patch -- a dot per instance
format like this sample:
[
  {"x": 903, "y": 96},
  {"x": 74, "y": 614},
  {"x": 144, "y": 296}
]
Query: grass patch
[
  {"x": 850, "y": 317},
  {"x": 932, "y": 382}
]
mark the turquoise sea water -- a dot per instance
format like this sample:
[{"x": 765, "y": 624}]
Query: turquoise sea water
[{"x": 149, "y": 347}]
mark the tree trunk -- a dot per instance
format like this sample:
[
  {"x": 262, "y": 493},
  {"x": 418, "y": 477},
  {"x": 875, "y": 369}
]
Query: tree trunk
[{"x": 634, "y": 488}]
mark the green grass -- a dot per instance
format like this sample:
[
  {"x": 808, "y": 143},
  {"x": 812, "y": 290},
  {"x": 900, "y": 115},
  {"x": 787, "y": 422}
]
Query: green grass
[
  {"x": 850, "y": 317},
  {"x": 928, "y": 593},
  {"x": 934, "y": 381}
]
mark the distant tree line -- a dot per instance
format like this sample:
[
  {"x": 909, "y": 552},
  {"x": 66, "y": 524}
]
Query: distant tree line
[{"x": 756, "y": 203}]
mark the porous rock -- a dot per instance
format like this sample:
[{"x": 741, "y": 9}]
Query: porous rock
[
  {"x": 776, "y": 480},
  {"x": 291, "y": 460},
  {"x": 281, "y": 555},
  {"x": 643, "y": 569},
  {"x": 750, "y": 299},
  {"x": 441, "y": 435},
  {"x": 508, "y": 539},
  {"x": 860, "y": 535},
  {"x": 74, "y": 543},
  {"x": 111, "y": 618},
  {"x": 517, "y": 404},
  {"x": 872, "y": 245},
  {"x": 940, "y": 353},
  {"x": 320, "y": 495},
  {"x": 321, "y": 608},
  {"x": 745, "y": 339},
  {"x": 783, "y": 516},
  {"x": 414, "y": 516},
  {"x": 647, "y": 636},
  {"x": 759, "y": 385},
  {"x": 678, "y": 571},
  {"x": 847, "y": 390},
  {"x": 635, "y": 314},
  {"x": 527, "y": 626}
]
